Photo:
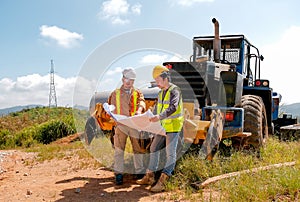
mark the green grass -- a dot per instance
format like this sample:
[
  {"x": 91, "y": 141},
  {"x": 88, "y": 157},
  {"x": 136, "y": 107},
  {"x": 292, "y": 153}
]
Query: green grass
[
  {"x": 274, "y": 184},
  {"x": 102, "y": 150},
  {"x": 39, "y": 125},
  {"x": 23, "y": 130},
  {"x": 65, "y": 151},
  {"x": 263, "y": 186}
]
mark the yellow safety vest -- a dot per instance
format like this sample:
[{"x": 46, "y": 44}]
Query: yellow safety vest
[
  {"x": 174, "y": 122},
  {"x": 133, "y": 101}
]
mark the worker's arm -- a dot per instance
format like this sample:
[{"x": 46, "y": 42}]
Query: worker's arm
[{"x": 141, "y": 103}]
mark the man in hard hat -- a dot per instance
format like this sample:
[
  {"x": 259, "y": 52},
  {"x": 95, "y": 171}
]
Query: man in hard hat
[
  {"x": 169, "y": 111},
  {"x": 128, "y": 101}
]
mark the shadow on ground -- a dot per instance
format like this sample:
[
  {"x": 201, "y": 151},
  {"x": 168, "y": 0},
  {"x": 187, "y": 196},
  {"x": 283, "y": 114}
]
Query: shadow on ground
[{"x": 104, "y": 189}]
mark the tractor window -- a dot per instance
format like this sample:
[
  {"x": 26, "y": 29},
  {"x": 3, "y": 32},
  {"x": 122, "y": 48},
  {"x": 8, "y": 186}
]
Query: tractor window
[
  {"x": 231, "y": 55},
  {"x": 230, "y": 49},
  {"x": 201, "y": 51}
]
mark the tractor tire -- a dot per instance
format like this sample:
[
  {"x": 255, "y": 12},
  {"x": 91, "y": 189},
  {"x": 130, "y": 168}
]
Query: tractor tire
[
  {"x": 255, "y": 122},
  {"x": 91, "y": 130}
]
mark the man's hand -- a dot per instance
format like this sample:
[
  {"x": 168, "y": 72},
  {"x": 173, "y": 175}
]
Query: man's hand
[
  {"x": 138, "y": 112},
  {"x": 154, "y": 118}
]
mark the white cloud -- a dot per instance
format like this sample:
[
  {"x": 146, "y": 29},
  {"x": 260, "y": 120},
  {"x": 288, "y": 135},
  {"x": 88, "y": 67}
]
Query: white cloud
[
  {"x": 158, "y": 59},
  {"x": 35, "y": 89},
  {"x": 115, "y": 8},
  {"x": 115, "y": 71},
  {"x": 187, "y": 2},
  {"x": 153, "y": 58},
  {"x": 110, "y": 80},
  {"x": 119, "y": 21},
  {"x": 31, "y": 89},
  {"x": 6, "y": 84},
  {"x": 118, "y": 11},
  {"x": 177, "y": 58},
  {"x": 83, "y": 91},
  {"x": 63, "y": 37},
  {"x": 136, "y": 9},
  {"x": 280, "y": 65}
]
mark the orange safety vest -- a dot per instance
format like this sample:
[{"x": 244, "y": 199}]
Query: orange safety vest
[{"x": 133, "y": 101}]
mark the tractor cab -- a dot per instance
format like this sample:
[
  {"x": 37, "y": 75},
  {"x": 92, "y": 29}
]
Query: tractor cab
[
  {"x": 243, "y": 77},
  {"x": 234, "y": 50}
]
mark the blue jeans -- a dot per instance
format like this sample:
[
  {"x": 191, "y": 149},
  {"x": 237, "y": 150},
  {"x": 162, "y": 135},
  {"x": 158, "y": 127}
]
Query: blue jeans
[{"x": 168, "y": 144}]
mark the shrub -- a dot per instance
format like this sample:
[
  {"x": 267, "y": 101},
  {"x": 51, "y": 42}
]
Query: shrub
[
  {"x": 53, "y": 130},
  {"x": 4, "y": 138},
  {"x": 39, "y": 125},
  {"x": 25, "y": 138}
]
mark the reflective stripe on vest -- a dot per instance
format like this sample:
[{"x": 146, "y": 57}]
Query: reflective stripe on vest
[
  {"x": 133, "y": 102},
  {"x": 174, "y": 122}
]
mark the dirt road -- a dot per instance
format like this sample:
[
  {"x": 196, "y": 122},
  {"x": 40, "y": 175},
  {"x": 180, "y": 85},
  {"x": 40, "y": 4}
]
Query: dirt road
[{"x": 22, "y": 178}]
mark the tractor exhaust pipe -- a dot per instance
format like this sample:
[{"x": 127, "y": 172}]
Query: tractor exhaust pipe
[{"x": 217, "y": 41}]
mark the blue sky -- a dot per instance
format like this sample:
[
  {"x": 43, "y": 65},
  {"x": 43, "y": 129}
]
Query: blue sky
[{"x": 34, "y": 32}]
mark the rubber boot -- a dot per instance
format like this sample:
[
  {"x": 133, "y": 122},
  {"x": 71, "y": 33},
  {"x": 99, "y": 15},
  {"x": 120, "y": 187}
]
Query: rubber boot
[
  {"x": 160, "y": 185},
  {"x": 119, "y": 179},
  {"x": 148, "y": 179}
]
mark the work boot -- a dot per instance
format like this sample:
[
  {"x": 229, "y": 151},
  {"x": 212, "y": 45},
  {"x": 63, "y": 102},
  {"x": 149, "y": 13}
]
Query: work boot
[
  {"x": 138, "y": 176},
  {"x": 148, "y": 179},
  {"x": 119, "y": 179},
  {"x": 160, "y": 185}
]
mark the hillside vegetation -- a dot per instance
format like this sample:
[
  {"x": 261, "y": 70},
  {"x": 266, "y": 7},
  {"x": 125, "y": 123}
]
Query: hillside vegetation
[
  {"x": 34, "y": 128},
  {"x": 39, "y": 125},
  {"x": 293, "y": 109}
]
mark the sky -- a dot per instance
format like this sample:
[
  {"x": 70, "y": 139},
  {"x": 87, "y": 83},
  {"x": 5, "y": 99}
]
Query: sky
[{"x": 91, "y": 42}]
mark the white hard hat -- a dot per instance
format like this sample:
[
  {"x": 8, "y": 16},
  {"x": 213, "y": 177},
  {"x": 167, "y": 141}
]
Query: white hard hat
[{"x": 129, "y": 73}]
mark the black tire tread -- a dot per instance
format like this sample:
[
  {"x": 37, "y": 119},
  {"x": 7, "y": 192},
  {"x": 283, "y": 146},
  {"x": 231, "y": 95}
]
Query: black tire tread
[{"x": 255, "y": 122}]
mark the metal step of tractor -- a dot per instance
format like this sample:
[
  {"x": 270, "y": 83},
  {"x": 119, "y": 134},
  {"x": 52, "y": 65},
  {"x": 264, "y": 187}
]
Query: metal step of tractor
[{"x": 188, "y": 76}]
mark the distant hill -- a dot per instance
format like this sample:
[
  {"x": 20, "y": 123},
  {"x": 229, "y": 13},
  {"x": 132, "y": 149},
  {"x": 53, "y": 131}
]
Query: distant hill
[
  {"x": 293, "y": 109},
  {"x": 6, "y": 111},
  {"x": 80, "y": 107},
  {"x": 9, "y": 110}
]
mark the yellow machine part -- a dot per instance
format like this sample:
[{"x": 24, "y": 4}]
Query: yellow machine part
[
  {"x": 104, "y": 120},
  {"x": 194, "y": 129}
]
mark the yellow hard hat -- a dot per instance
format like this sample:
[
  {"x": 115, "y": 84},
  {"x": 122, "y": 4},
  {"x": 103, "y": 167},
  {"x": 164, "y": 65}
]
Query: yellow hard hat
[{"x": 158, "y": 70}]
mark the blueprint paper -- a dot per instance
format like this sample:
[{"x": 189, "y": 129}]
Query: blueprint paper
[{"x": 139, "y": 122}]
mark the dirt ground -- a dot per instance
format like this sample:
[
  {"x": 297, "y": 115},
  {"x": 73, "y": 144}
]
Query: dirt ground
[
  {"x": 55, "y": 180},
  {"x": 23, "y": 178}
]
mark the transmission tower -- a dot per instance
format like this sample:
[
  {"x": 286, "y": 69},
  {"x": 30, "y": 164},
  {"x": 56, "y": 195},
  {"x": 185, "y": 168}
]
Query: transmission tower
[{"x": 52, "y": 94}]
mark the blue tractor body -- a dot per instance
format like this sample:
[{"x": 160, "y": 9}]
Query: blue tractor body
[{"x": 223, "y": 75}]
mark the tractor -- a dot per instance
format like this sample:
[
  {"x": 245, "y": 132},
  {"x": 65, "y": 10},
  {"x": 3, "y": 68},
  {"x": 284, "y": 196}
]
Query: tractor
[{"x": 225, "y": 100}]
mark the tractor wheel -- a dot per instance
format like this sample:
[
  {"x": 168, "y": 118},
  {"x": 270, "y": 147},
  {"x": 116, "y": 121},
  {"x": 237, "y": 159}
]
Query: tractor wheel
[
  {"x": 91, "y": 130},
  {"x": 255, "y": 122}
]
